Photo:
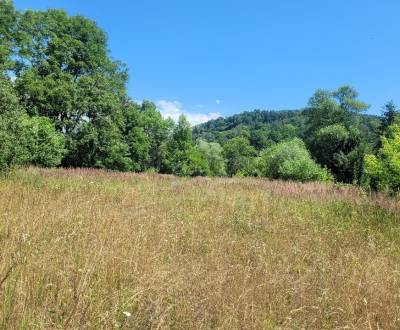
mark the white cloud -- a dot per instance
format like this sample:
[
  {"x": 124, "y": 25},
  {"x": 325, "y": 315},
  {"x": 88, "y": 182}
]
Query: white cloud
[
  {"x": 169, "y": 109},
  {"x": 218, "y": 101},
  {"x": 173, "y": 109},
  {"x": 198, "y": 118}
]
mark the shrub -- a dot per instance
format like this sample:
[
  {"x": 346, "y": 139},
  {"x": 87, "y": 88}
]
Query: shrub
[
  {"x": 382, "y": 171},
  {"x": 290, "y": 160},
  {"x": 24, "y": 139},
  {"x": 44, "y": 143}
]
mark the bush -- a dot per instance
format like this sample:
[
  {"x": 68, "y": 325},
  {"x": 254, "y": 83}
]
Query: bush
[
  {"x": 13, "y": 150},
  {"x": 23, "y": 139},
  {"x": 382, "y": 172},
  {"x": 44, "y": 143},
  {"x": 290, "y": 160}
]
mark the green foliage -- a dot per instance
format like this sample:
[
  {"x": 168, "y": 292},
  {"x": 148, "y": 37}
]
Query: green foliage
[
  {"x": 334, "y": 132},
  {"x": 67, "y": 104},
  {"x": 213, "y": 153},
  {"x": 346, "y": 96},
  {"x": 337, "y": 148},
  {"x": 64, "y": 73},
  {"x": 13, "y": 149},
  {"x": 180, "y": 157},
  {"x": 8, "y": 20},
  {"x": 45, "y": 145},
  {"x": 290, "y": 160},
  {"x": 99, "y": 144},
  {"x": 284, "y": 132},
  {"x": 262, "y": 128},
  {"x": 9, "y": 101},
  {"x": 260, "y": 138},
  {"x": 196, "y": 164},
  {"x": 157, "y": 131},
  {"x": 239, "y": 156},
  {"x": 389, "y": 116},
  {"x": 25, "y": 140},
  {"x": 382, "y": 172},
  {"x": 144, "y": 130},
  {"x": 329, "y": 108}
]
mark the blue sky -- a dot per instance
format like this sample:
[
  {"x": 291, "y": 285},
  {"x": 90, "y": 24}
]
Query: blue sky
[{"x": 211, "y": 57}]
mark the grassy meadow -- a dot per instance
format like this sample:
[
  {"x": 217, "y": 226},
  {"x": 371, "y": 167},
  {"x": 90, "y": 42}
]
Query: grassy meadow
[{"x": 101, "y": 250}]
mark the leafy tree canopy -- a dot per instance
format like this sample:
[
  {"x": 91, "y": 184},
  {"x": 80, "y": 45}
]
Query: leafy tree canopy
[
  {"x": 239, "y": 156},
  {"x": 290, "y": 160},
  {"x": 213, "y": 153}
]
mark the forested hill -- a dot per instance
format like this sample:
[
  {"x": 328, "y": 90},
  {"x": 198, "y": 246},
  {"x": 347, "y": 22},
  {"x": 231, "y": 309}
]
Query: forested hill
[{"x": 265, "y": 127}]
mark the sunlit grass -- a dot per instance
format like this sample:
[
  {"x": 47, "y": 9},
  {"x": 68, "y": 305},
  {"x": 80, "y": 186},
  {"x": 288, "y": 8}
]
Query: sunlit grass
[{"x": 91, "y": 249}]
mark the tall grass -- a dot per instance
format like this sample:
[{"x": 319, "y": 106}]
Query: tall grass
[{"x": 98, "y": 250}]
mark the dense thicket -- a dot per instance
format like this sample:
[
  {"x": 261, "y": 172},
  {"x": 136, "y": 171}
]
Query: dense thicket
[{"x": 63, "y": 101}]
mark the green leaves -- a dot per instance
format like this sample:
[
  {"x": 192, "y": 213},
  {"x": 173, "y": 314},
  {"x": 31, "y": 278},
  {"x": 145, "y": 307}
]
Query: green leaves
[
  {"x": 213, "y": 154},
  {"x": 239, "y": 156},
  {"x": 290, "y": 160},
  {"x": 67, "y": 104},
  {"x": 382, "y": 171},
  {"x": 333, "y": 132},
  {"x": 180, "y": 157},
  {"x": 8, "y": 20},
  {"x": 45, "y": 145},
  {"x": 13, "y": 141},
  {"x": 24, "y": 139},
  {"x": 64, "y": 73},
  {"x": 346, "y": 96}
]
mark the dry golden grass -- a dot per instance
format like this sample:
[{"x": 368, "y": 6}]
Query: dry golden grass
[{"x": 97, "y": 250}]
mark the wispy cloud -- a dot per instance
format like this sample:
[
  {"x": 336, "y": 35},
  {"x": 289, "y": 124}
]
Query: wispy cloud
[
  {"x": 218, "y": 101},
  {"x": 173, "y": 109}
]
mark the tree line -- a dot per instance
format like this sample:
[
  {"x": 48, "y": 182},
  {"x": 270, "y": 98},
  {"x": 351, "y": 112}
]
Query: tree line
[{"x": 63, "y": 102}]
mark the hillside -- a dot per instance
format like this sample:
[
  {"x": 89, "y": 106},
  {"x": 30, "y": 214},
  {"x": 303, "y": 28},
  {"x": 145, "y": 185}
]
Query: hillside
[
  {"x": 101, "y": 250},
  {"x": 263, "y": 127}
]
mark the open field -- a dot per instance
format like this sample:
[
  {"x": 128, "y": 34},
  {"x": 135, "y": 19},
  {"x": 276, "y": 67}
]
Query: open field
[{"x": 91, "y": 249}]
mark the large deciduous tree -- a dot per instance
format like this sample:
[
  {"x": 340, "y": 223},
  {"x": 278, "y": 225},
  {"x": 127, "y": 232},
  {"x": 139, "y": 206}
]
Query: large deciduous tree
[
  {"x": 239, "y": 156},
  {"x": 64, "y": 72},
  {"x": 332, "y": 132}
]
